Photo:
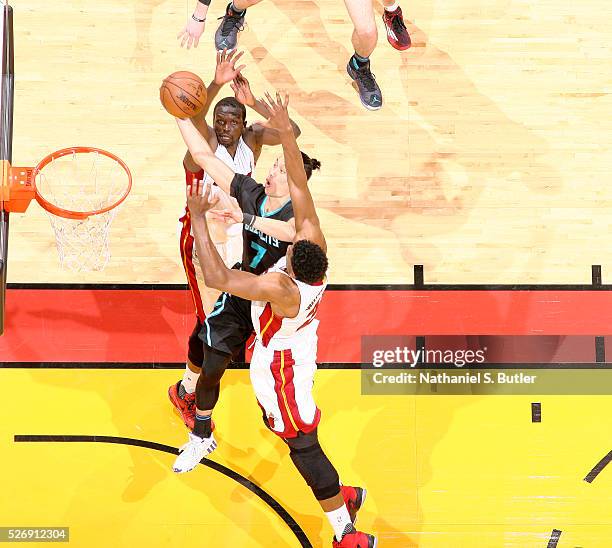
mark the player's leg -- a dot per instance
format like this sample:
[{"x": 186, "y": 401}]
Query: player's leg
[
  {"x": 224, "y": 334},
  {"x": 284, "y": 392},
  {"x": 364, "y": 40},
  {"x": 397, "y": 33},
  {"x": 232, "y": 23},
  {"x": 182, "y": 394},
  {"x": 339, "y": 503}
]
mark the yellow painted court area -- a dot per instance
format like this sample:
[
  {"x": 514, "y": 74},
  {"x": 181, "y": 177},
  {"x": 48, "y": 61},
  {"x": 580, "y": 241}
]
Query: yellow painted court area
[{"x": 441, "y": 471}]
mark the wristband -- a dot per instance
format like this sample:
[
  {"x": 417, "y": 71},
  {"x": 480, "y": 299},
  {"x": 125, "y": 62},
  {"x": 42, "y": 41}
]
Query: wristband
[
  {"x": 205, "y": 2},
  {"x": 198, "y": 20},
  {"x": 248, "y": 219}
]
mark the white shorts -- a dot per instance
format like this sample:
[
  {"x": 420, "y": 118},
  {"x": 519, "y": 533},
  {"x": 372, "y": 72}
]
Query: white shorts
[{"x": 282, "y": 381}]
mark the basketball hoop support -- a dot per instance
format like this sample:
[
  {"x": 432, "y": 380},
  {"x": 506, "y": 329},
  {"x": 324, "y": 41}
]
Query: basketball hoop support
[{"x": 21, "y": 190}]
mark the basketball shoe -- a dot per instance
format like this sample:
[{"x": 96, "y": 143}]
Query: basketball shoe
[
  {"x": 232, "y": 23},
  {"x": 185, "y": 405},
  {"x": 369, "y": 92},
  {"x": 356, "y": 539},
  {"x": 193, "y": 452},
  {"x": 354, "y": 497},
  {"x": 397, "y": 33}
]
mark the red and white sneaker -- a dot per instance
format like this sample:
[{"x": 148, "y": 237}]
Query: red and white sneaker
[
  {"x": 397, "y": 33},
  {"x": 354, "y": 497},
  {"x": 356, "y": 539},
  {"x": 185, "y": 406}
]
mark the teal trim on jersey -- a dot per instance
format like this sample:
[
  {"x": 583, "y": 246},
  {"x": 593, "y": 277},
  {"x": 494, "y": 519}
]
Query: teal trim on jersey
[
  {"x": 219, "y": 308},
  {"x": 270, "y": 213}
]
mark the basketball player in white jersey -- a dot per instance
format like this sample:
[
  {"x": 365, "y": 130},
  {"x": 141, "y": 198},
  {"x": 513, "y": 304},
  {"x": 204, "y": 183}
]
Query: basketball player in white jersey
[
  {"x": 284, "y": 306},
  {"x": 238, "y": 146}
]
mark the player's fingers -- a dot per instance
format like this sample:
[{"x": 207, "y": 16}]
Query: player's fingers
[
  {"x": 286, "y": 102},
  {"x": 180, "y": 34},
  {"x": 230, "y": 55},
  {"x": 196, "y": 41},
  {"x": 240, "y": 68},
  {"x": 238, "y": 55},
  {"x": 218, "y": 57}
]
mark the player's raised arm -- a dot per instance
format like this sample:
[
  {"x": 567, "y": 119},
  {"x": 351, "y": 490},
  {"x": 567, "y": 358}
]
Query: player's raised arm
[
  {"x": 307, "y": 226},
  {"x": 274, "y": 287},
  {"x": 263, "y": 134},
  {"x": 203, "y": 155},
  {"x": 225, "y": 71}
]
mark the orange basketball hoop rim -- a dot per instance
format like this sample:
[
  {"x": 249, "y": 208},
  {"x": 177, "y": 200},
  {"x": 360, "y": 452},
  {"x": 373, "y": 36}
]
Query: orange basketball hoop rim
[
  {"x": 77, "y": 215},
  {"x": 22, "y": 186}
]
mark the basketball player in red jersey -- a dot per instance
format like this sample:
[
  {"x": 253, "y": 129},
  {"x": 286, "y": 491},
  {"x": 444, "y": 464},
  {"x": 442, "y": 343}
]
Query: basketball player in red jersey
[
  {"x": 239, "y": 146},
  {"x": 284, "y": 304},
  {"x": 364, "y": 39}
]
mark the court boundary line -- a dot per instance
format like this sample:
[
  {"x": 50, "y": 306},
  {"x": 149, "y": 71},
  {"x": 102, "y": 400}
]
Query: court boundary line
[
  {"x": 330, "y": 287},
  {"x": 251, "y": 486},
  {"x": 339, "y": 366}
]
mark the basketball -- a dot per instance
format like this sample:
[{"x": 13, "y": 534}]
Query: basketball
[{"x": 183, "y": 94}]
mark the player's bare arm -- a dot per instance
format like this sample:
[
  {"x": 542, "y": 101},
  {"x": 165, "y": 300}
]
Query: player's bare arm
[
  {"x": 281, "y": 230},
  {"x": 257, "y": 134},
  {"x": 190, "y": 35},
  {"x": 307, "y": 225},
  {"x": 275, "y": 288},
  {"x": 204, "y": 156}
]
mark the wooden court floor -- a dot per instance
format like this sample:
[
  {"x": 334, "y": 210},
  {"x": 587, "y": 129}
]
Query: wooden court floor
[
  {"x": 442, "y": 472},
  {"x": 488, "y": 163}
]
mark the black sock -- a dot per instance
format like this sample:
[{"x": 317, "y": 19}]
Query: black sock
[
  {"x": 358, "y": 62},
  {"x": 202, "y": 426},
  {"x": 235, "y": 11}
]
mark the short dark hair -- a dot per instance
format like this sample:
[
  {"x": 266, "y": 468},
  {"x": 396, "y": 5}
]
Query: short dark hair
[
  {"x": 310, "y": 164},
  {"x": 308, "y": 261},
  {"x": 233, "y": 103}
]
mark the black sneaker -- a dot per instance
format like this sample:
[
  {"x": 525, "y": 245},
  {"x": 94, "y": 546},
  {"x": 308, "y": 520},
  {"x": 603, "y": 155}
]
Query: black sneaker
[
  {"x": 226, "y": 36},
  {"x": 369, "y": 92}
]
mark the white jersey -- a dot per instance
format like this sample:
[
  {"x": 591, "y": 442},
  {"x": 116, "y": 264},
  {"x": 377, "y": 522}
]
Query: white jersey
[
  {"x": 284, "y": 361},
  {"x": 279, "y": 333},
  {"x": 243, "y": 161}
]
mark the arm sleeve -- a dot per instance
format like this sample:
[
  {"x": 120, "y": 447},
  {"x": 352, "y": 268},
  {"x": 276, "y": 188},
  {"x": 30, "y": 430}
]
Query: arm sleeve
[{"x": 243, "y": 188}]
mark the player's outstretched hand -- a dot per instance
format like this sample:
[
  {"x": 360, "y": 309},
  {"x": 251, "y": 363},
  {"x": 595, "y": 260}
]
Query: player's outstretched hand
[
  {"x": 190, "y": 35},
  {"x": 227, "y": 216},
  {"x": 278, "y": 115},
  {"x": 201, "y": 198},
  {"x": 226, "y": 70},
  {"x": 242, "y": 91}
]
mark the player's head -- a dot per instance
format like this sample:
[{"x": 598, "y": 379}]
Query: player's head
[
  {"x": 276, "y": 184},
  {"x": 229, "y": 120},
  {"x": 307, "y": 262}
]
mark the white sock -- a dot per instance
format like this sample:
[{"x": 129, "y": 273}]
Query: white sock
[
  {"x": 190, "y": 379},
  {"x": 392, "y": 7},
  {"x": 340, "y": 521}
]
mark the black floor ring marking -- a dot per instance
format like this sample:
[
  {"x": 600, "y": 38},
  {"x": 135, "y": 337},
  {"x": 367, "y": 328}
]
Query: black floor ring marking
[
  {"x": 598, "y": 468},
  {"x": 554, "y": 538},
  {"x": 271, "y": 502}
]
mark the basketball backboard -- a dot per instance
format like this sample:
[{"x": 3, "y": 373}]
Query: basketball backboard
[{"x": 6, "y": 139}]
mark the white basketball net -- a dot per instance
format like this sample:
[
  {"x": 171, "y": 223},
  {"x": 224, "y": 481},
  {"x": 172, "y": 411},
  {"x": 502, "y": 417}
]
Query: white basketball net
[{"x": 83, "y": 181}]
